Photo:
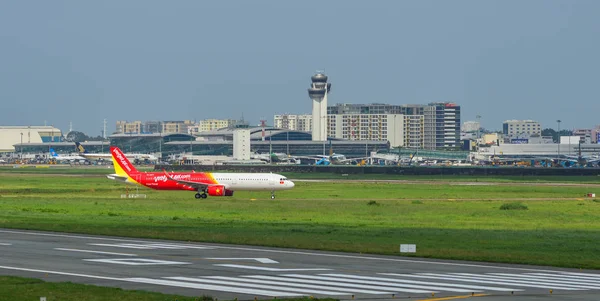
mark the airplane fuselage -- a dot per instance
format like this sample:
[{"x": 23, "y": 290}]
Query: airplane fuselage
[{"x": 231, "y": 181}]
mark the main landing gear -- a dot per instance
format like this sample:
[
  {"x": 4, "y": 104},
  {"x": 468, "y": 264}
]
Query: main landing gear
[
  {"x": 201, "y": 195},
  {"x": 272, "y": 194}
]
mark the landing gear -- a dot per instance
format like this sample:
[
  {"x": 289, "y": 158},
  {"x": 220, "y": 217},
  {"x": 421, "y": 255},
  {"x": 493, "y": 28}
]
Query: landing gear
[
  {"x": 201, "y": 195},
  {"x": 272, "y": 194}
]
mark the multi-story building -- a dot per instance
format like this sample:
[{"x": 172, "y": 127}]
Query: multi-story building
[
  {"x": 519, "y": 128},
  {"x": 414, "y": 131},
  {"x": 401, "y": 125},
  {"x": 293, "y": 122},
  {"x": 181, "y": 127},
  {"x": 585, "y": 135},
  {"x": 374, "y": 127},
  {"x": 375, "y": 108},
  {"x": 126, "y": 127},
  {"x": 441, "y": 125},
  {"x": 470, "y": 127},
  {"x": 152, "y": 126}
]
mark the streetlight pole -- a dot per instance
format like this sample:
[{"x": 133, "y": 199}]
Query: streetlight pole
[{"x": 558, "y": 136}]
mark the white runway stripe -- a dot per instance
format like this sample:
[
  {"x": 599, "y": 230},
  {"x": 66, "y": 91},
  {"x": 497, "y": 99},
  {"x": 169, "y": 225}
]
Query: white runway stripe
[
  {"x": 382, "y": 284},
  {"x": 472, "y": 288},
  {"x": 251, "y": 267},
  {"x": 558, "y": 278},
  {"x": 5, "y": 244},
  {"x": 254, "y": 285},
  {"x": 451, "y": 278},
  {"x": 355, "y": 288},
  {"x": 92, "y": 251},
  {"x": 520, "y": 280},
  {"x": 597, "y": 276},
  {"x": 240, "y": 290},
  {"x": 336, "y": 281},
  {"x": 129, "y": 246},
  {"x": 569, "y": 277},
  {"x": 281, "y": 283}
]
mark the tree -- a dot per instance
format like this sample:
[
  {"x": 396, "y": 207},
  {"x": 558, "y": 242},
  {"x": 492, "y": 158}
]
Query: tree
[
  {"x": 552, "y": 132},
  {"x": 76, "y": 136}
]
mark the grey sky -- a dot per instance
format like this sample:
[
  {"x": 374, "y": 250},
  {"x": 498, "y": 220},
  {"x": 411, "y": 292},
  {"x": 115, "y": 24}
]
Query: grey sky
[{"x": 83, "y": 61}]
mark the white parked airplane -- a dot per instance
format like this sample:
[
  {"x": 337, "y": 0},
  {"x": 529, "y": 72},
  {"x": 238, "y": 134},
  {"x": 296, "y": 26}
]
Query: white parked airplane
[
  {"x": 58, "y": 157},
  {"x": 96, "y": 156}
]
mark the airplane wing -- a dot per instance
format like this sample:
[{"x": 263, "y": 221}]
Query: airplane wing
[
  {"x": 196, "y": 185},
  {"x": 117, "y": 177}
]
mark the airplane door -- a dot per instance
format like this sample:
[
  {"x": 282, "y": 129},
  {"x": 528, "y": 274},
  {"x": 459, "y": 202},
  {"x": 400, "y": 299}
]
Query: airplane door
[{"x": 273, "y": 180}]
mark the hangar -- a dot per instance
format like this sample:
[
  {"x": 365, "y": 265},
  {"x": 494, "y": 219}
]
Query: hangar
[{"x": 14, "y": 135}]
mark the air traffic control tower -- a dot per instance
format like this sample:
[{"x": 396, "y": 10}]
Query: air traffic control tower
[{"x": 318, "y": 93}]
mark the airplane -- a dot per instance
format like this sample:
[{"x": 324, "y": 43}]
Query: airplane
[
  {"x": 58, "y": 157},
  {"x": 273, "y": 157},
  {"x": 97, "y": 156},
  {"x": 205, "y": 183}
]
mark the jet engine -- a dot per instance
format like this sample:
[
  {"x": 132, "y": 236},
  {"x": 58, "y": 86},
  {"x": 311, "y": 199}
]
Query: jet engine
[{"x": 219, "y": 190}]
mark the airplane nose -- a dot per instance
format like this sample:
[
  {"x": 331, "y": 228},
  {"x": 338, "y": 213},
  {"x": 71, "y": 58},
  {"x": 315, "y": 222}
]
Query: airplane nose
[{"x": 292, "y": 184}]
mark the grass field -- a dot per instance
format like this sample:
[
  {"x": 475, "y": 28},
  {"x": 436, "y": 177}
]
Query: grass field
[{"x": 446, "y": 220}]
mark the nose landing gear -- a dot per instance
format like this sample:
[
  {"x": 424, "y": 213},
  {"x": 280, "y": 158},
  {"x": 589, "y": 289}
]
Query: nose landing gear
[{"x": 272, "y": 194}]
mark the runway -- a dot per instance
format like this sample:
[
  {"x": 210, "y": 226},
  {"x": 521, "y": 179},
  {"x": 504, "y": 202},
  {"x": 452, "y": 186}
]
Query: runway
[{"x": 245, "y": 272}]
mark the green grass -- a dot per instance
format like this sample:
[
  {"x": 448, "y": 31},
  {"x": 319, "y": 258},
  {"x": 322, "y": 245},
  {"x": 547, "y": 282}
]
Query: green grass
[{"x": 445, "y": 220}]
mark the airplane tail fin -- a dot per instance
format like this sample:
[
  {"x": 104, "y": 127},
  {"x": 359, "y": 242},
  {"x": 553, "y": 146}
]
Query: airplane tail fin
[
  {"x": 53, "y": 153},
  {"x": 80, "y": 147},
  {"x": 121, "y": 164}
]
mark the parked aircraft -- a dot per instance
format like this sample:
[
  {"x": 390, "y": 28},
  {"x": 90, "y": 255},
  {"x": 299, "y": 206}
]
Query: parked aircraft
[
  {"x": 58, "y": 157},
  {"x": 205, "y": 183},
  {"x": 97, "y": 156}
]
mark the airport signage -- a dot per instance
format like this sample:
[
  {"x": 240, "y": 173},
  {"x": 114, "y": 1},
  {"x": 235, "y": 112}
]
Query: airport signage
[
  {"x": 408, "y": 248},
  {"x": 519, "y": 141}
]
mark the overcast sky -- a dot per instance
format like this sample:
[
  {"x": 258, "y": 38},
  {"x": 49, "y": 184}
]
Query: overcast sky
[{"x": 84, "y": 61}]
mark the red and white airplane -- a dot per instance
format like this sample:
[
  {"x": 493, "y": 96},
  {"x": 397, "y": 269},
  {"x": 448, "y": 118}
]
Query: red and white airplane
[{"x": 205, "y": 183}]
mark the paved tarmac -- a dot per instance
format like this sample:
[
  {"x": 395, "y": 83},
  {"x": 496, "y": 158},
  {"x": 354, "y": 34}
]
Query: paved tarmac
[{"x": 245, "y": 272}]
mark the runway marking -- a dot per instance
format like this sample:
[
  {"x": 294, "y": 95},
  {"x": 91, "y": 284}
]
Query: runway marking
[
  {"x": 455, "y": 297},
  {"x": 475, "y": 280},
  {"x": 557, "y": 278},
  {"x": 164, "y": 282},
  {"x": 5, "y": 244},
  {"x": 525, "y": 280},
  {"x": 471, "y": 287},
  {"x": 271, "y": 293},
  {"x": 591, "y": 278},
  {"x": 254, "y": 285},
  {"x": 408, "y": 288},
  {"x": 292, "y": 252},
  {"x": 346, "y": 286},
  {"x": 97, "y": 252},
  {"x": 250, "y": 267},
  {"x": 137, "y": 261},
  {"x": 58, "y": 273},
  {"x": 152, "y": 246},
  {"x": 382, "y": 282},
  {"x": 283, "y": 283},
  {"x": 261, "y": 260}
]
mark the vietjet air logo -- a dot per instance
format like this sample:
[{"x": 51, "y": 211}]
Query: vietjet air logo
[
  {"x": 122, "y": 160},
  {"x": 174, "y": 177},
  {"x": 218, "y": 190}
]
